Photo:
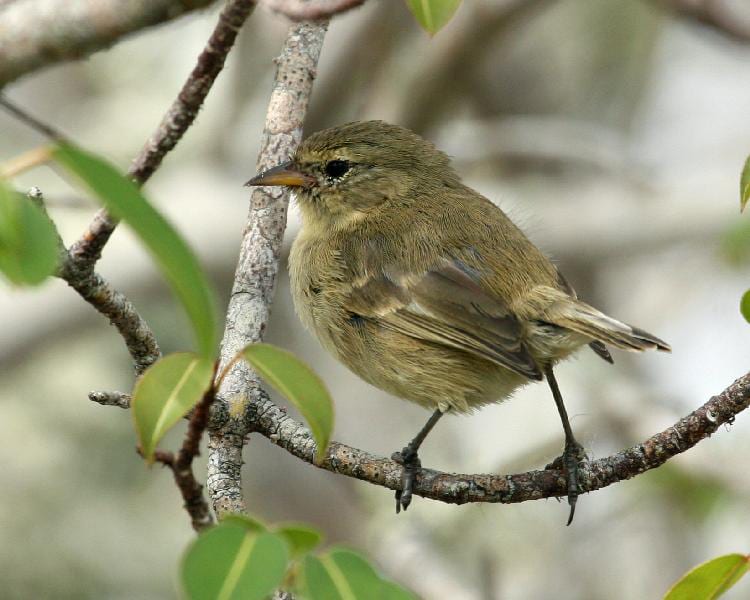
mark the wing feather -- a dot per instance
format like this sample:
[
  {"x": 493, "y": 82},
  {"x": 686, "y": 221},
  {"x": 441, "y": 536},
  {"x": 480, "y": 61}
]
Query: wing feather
[{"x": 446, "y": 305}]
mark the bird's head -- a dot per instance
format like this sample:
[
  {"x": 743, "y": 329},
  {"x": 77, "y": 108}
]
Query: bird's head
[{"x": 347, "y": 172}]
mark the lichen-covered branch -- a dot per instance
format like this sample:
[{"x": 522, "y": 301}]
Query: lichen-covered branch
[
  {"x": 270, "y": 420},
  {"x": 119, "y": 399},
  {"x": 39, "y": 33},
  {"x": 137, "y": 335},
  {"x": 255, "y": 276},
  {"x": 311, "y": 10},
  {"x": 87, "y": 250}
]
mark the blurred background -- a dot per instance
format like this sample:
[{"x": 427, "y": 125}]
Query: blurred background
[{"x": 613, "y": 132}]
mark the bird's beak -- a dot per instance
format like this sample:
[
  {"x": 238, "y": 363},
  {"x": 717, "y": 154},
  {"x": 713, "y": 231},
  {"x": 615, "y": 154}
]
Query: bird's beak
[{"x": 283, "y": 174}]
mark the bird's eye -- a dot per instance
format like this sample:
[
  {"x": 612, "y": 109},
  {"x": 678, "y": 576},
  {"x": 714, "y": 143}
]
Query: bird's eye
[{"x": 336, "y": 168}]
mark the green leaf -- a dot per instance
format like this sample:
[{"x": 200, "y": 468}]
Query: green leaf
[
  {"x": 178, "y": 263},
  {"x": 231, "y": 562},
  {"x": 300, "y": 537},
  {"x": 299, "y": 384},
  {"x": 318, "y": 584},
  {"x": 393, "y": 591},
  {"x": 167, "y": 391},
  {"x": 246, "y": 521},
  {"x": 735, "y": 243},
  {"x": 745, "y": 185},
  {"x": 340, "y": 575},
  {"x": 432, "y": 15},
  {"x": 745, "y": 305},
  {"x": 28, "y": 241},
  {"x": 711, "y": 579}
]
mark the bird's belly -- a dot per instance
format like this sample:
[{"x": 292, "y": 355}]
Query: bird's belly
[{"x": 430, "y": 374}]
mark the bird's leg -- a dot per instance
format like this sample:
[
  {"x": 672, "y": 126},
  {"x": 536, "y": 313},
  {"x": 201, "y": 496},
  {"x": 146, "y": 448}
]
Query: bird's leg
[
  {"x": 574, "y": 452},
  {"x": 409, "y": 460}
]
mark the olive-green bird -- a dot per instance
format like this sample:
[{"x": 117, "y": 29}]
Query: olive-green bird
[{"x": 426, "y": 289}]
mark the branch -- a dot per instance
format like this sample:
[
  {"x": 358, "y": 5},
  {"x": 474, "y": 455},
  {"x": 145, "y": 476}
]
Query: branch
[
  {"x": 138, "y": 337},
  {"x": 31, "y": 121},
  {"x": 87, "y": 250},
  {"x": 255, "y": 277},
  {"x": 720, "y": 15},
  {"x": 271, "y": 421},
  {"x": 39, "y": 33},
  {"x": 120, "y": 399},
  {"x": 311, "y": 10},
  {"x": 182, "y": 465},
  {"x": 120, "y": 311}
]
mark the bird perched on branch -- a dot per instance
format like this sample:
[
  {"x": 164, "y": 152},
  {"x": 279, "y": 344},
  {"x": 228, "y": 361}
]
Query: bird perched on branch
[{"x": 426, "y": 289}]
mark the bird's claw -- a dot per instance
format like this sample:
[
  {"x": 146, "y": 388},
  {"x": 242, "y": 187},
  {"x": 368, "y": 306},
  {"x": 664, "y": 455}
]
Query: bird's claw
[
  {"x": 411, "y": 464},
  {"x": 569, "y": 462}
]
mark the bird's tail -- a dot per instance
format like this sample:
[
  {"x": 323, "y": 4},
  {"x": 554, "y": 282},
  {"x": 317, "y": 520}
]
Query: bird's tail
[{"x": 586, "y": 320}]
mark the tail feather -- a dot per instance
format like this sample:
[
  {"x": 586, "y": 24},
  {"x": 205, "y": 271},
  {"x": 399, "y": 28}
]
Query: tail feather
[
  {"x": 586, "y": 320},
  {"x": 601, "y": 351}
]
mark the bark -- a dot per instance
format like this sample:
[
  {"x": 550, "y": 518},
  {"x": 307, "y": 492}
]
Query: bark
[
  {"x": 257, "y": 269},
  {"x": 38, "y": 33}
]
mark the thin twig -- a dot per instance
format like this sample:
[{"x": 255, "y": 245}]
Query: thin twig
[
  {"x": 182, "y": 464},
  {"x": 23, "y": 162},
  {"x": 23, "y": 116},
  {"x": 311, "y": 10},
  {"x": 87, "y": 250},
  {"x": 121, "y": 312}
]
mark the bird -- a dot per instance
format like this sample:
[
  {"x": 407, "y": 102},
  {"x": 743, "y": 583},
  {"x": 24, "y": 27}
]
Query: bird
[{"x": 426, "y": 289}]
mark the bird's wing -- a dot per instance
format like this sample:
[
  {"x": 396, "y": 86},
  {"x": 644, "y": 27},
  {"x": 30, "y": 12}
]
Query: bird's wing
[
  {"x": 446, "y": 305},
  {"x": 598, "y": 347}
]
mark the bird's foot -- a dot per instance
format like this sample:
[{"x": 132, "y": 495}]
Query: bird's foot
[
  {"x": 409, "y": 460},
  {"x": 569, "y": 462}
]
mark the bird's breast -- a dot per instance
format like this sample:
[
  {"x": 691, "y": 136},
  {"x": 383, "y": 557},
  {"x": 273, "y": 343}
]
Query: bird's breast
[{"x": 319, "y": 284}]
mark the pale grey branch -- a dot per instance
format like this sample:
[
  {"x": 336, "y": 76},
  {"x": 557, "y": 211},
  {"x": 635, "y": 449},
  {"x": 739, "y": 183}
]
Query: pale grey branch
[
  {"x": 255, "y": 277},
  {"x": 119, "y": 399},
  {"x": 136, "y": 333},
  {"x": 271, "y": 421},
  {"x": 311, "y": 10},
  {"x": 38, "y": 33}
]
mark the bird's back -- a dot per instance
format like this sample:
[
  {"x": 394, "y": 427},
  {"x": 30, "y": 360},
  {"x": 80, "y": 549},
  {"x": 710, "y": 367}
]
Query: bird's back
[{"x": 458, "y": 224}]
